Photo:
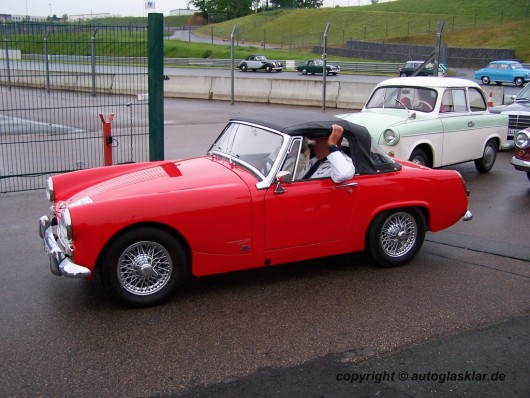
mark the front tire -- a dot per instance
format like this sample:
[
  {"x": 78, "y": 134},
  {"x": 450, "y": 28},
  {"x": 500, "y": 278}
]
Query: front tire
[
  {"x": 419, "y": 156},
  {"x": 403, "y": 74},
  {"x": 304, "y": 71},
  {"x": 519, "y": 81},
  {"x": 143, "y": 267},
  {"x": 485, "y": 80},
  {"x": 396, "y": 236},
  {"x": 486, "y": 162}
]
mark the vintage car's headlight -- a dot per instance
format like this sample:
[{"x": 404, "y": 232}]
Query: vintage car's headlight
[
  {"x": 50, "y": 194},
  {"x": 390, "y": 137},
  {"x": 64, "y": 227},
  {"x": 522, "y": 139}
]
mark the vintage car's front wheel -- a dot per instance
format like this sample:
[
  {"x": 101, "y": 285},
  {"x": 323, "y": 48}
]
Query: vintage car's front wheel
[
  {"x": 486, "y": 162},
  {"x": 395, "y": 236},
  {"x": 143, "y": 267},
  {"x": 519, "y": 81},
  {"x": 419, "y": 156},
  {"x": 304, "y": 71}
]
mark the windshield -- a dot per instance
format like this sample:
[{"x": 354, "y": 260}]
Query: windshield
[
  {"x": 249, "y": 146},
  {"x": 524, "y": 95},
  {"x": 414, "y": 98}
]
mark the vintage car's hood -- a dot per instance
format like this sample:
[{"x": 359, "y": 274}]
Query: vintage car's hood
[
  {"x": 518, "y": 106},
  {"x": 154, "y": 178},
  {"x": 377, "y": 120}
]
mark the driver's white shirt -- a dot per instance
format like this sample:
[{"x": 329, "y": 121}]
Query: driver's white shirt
[{"x": 338, "y": 166}]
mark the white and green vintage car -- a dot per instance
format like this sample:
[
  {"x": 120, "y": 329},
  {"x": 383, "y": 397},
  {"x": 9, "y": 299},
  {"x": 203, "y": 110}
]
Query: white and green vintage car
[{"x": 434, "y": 121}]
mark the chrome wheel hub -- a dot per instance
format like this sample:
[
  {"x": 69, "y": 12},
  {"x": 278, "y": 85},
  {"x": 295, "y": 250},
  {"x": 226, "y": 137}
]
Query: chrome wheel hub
[
  {"x": 398, "y": 234},
  {"x": 144, "y": 268}
]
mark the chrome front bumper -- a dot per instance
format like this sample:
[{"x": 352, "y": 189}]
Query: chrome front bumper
[
  {"x": 60, "y": 264},
  {"x": 520, "y": 164}
]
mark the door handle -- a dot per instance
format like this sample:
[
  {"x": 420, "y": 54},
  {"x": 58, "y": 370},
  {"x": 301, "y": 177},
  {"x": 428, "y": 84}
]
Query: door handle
[
  {"x": 349, "y": 185},
  {"x": 470, "y": 124}
]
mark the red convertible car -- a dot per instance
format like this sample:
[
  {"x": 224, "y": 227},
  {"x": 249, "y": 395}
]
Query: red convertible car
[{"x": 144, "y": 227}]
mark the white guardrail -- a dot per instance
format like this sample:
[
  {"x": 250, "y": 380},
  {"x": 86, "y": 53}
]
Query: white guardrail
[{"x": 377, "y": 67}]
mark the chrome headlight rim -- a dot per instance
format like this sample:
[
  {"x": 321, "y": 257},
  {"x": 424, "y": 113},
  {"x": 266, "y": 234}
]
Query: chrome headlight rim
[
  {"x": 390, "y": 137},
  {"x": 522, "y": 139},
  {"x": 65, "y": 226},
  {"x": 50, "y": 193}
]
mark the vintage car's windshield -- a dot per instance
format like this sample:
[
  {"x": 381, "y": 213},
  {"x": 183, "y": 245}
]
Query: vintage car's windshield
[
  {"x": 413, "y": 98},
  {"x": 524, "y": 95},
  {"x": 250, "y": 146}
]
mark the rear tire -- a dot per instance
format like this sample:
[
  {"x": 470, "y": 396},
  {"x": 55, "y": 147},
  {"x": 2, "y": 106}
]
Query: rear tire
[
  {"x": 486, "y": 162},
  {"x": 304, "y": 71},
  {"x": 485, "y": 80},
  {"x": 403, "y": 75},
  {"x": 243, "y": 67},
  {"x": 396, "y": 236},
  {"x": 143, "y": 267},
  {"x": 528, "y": 175}
]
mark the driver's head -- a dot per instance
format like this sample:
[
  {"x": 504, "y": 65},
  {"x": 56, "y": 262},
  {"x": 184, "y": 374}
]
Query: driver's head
[{"x": 321, "y": 147}]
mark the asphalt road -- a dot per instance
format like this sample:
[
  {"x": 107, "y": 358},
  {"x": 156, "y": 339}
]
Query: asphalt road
[{"x": 460, "y": 305}]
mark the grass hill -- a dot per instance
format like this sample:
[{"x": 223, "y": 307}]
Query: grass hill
[{"x": 468, "y": 23}]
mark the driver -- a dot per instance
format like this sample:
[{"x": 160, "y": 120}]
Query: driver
[{"x": 329, "y": 161}]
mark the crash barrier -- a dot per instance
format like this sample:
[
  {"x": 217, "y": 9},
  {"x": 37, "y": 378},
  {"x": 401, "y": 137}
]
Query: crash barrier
[{"x": 339, "y": 94}]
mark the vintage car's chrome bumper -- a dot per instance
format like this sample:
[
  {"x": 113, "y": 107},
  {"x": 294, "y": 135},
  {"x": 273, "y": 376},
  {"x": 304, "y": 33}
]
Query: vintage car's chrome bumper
[
  {"x": 521, "y": 165},
  {"x": 60, "y": 264}
]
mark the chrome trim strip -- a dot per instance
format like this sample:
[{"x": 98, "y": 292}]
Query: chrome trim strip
[{"x": 351, "y": 184}]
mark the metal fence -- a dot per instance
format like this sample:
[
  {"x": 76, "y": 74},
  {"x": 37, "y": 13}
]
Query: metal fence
[{"x": 54, "y": 83}]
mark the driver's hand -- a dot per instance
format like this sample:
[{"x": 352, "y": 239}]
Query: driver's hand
[{"x": 335, "y": 137}]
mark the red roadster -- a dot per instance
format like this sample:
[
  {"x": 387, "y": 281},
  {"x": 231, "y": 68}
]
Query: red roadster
[{"x": 145, "y": 226}]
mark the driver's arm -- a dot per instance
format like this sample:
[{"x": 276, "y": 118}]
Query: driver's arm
[{"x": 342, "y": 168}]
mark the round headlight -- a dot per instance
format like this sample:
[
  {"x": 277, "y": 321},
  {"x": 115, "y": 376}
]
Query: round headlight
[
  {"x": 522, "y": 139},
  {"x": 50, "y": 194},
  {"x": 390, "y": 137}
]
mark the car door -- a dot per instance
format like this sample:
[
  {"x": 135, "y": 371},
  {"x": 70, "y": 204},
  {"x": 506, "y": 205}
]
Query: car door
[
  {"x": 464, "y": 131},
  {"x": 308, "y": 212}
]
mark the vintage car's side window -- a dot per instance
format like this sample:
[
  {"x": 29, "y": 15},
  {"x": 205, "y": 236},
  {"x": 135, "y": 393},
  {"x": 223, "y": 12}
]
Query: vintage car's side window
[
  {"x": 477, "y": 101},
  {"x": 297, "y": 157},
  {"x": 492, "y": 66},
  {"x": 454, "y": 100}
]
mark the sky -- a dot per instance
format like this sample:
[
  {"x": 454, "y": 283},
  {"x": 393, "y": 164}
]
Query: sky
[{"x": 117, "y": 7}]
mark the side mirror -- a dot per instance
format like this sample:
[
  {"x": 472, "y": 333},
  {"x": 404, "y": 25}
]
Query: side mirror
[{"x": 282, "y": 177}]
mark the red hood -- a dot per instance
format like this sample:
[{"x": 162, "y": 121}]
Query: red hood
[{"x": 115, "y": 182}]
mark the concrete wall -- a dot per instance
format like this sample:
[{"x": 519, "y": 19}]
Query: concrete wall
[{"x": 455, "y": 57}]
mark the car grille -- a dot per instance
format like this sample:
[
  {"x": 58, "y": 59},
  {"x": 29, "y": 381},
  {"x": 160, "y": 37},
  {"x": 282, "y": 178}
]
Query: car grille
[{"x": 519, "y": 122}]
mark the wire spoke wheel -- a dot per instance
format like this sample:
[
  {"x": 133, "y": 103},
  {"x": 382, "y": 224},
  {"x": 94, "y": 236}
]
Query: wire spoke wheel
[
  {"x": 398, "y": 234},
  {"x": 144, "y": 268}
]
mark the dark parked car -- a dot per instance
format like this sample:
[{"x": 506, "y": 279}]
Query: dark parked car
[
  {"x": 317, "y": 66},
  {"x": 410, "y": 67}
]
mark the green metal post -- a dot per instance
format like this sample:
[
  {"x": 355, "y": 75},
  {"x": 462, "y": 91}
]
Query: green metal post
[{"x": 155, "y": 81}]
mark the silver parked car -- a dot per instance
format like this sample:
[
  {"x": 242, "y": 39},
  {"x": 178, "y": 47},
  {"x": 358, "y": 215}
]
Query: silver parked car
[{"x": 259, "y": 62}]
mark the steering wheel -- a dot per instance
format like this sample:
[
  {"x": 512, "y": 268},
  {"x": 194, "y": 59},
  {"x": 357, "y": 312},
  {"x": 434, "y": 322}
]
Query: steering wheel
[
  {"x": 268, "y": 162},
  {"x": 422, "y": 106}
]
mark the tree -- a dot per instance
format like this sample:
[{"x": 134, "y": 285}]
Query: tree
[
  {"x": 232, "y": 8},
  {"x": 297, "y": 3}
]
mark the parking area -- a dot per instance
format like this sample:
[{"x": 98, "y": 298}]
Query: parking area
[{"x": 65, "y": 337}]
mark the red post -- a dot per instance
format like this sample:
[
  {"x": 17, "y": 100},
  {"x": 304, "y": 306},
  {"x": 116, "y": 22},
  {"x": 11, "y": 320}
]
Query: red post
[{"x": 107, "y": 139}]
